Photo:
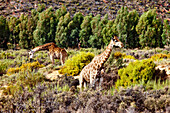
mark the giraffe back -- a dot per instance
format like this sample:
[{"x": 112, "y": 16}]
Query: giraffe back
[{"x": 57, "y": 51}]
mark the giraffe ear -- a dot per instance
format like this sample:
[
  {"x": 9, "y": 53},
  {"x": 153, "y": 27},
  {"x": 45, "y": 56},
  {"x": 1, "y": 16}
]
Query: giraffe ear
[{"x": 113, "y": 38}]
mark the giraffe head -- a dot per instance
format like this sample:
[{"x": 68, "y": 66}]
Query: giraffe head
[
  {"x": 31, "y": 54},
  {"x": 116, "y": 42}
]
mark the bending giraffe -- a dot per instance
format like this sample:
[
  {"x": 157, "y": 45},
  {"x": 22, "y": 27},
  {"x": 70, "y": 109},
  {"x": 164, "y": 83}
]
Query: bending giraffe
[
  {"x": 54, "y": 52},
  {"x": 93, "y": 70}
]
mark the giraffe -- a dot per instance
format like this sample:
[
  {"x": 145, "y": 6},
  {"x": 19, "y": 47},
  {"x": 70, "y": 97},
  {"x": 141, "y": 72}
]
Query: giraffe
[
  {"x": 94, "y": 69},
  {"x": 54, "y": 52}
]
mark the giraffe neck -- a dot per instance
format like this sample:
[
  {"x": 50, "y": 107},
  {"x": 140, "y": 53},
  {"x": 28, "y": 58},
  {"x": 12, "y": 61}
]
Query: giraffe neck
[
  {"x": 42, "y": 47},
  {"x": 105, "y": 55}
]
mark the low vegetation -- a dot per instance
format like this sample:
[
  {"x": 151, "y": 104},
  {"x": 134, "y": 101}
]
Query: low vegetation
[
  {"x": 136, "y": 72},
  {"x": 74, "y": 65},
  {"x": 24, "y": 79},
  {"x": 127, "y": 83},
  {"x": 160, "y": 56},
  {"x": 24, "y": 67}
]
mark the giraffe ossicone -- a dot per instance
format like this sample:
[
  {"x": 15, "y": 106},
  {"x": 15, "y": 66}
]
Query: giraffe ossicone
[{"x": 91, "y": 72}]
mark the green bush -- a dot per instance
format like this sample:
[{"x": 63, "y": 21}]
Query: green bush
[
  {"x": 5, "y": 55},
  {"x": 160, "y": 56},
  {"x": 136, "y": 72},
  {"x": 26, "y": 79},
  {"x": 118, "y": 55},
  {"x": 129, "y": 57},
  {"x": 24, "y": 67},
  {"x": 74, "y": 65},
  {"x": 3, "y": 67}
]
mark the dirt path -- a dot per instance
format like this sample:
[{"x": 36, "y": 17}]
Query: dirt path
[{"x": 53, "y": 75}]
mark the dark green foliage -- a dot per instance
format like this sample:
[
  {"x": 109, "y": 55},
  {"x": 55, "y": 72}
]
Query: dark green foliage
[
  {"x": 59, "y": 28},
  {"x": 60, "y": 12},
  {"x": 95, "y": 39},
  {"x": 149, "y": 29},
  {"x": 125, "y": 26},
  {"x": 23, "y": 36},
  {"x": 45, "y": 30},
  {"x": 97, "y": 26},
  {"x": 61, "y": 37},
  {"x": 41, "y": 7},
  {"x": 74, "y": 38},
  {"x": 120, "y": 24},
  {"x": 107, "y": 32},
  {"x": 27, "y": 26},
  {"x": 132, "y": 36},
  {"x": 14, "y": 30},
  {"x": 31, "y": 26},
  {"x": 45, "y": 25},
  {"x": 166, "y": 33},
  {"x": 85, "y": 31},
  {"x": 4, "y": 32},
  {"x": 74, "y": 29},
  {"x": 136, "y": 72}
]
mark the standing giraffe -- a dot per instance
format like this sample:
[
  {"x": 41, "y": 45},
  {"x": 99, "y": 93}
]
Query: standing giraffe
[
  {"x": 54, "y": 52},
  {"x": 93, "y": 70}
]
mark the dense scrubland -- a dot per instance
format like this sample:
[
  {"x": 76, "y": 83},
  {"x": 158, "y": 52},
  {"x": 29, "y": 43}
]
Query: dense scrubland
[
  {"x": 136, "y": 78},
  {"x": 131, "y": 82}
]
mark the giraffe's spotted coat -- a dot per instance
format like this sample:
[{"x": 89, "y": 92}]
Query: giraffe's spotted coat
[
  {"x": 54, "y": 52},
  {"x": 93, "y": 70}
]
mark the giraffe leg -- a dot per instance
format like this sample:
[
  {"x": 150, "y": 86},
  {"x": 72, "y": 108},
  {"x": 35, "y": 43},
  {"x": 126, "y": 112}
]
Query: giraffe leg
[
  {"x": 101, "y": 77},
  {"x": 85, "y": 84},
  {"x": 52, "y": 58},
  {"x": 100, "y": 82},
  {"x": 81, "y": 81},
  {"x": 61, "y": 59},
  {"x": 92, "y": 82},
  {"x": 96, "y": 83}
]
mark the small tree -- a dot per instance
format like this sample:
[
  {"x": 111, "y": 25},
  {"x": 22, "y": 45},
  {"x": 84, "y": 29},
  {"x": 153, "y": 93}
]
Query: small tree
[
  {"x": 149, "y": 29},
  {"x": 60, "y": 12},
  {"x": 23, "y": 34},
  {"x": 120, "y": 24},
  {"x": 107, "y": 31},
  {"x": 166, "y": 33},
  {"x": 97, "y": 26},
  {"x": 13, "y": 24},
  {"x": 85, "y": 31},
  {"x": 41, "y": 7},
  {"x": 45, "y": 30},
  {"x": 61, "y": 36},
  {"x": 132, "y": 36},
  {"x": 4, "y": 32},
  {"x": 125, "y": 26},
  {"x": 31, "y": 26},
  {"x": 74, "y": 29}
]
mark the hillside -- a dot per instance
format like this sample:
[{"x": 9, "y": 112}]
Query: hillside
[{"x": 17, "y": 7}]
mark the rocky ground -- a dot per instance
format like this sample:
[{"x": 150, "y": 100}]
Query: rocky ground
[{"x": 110, "y": 7}]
